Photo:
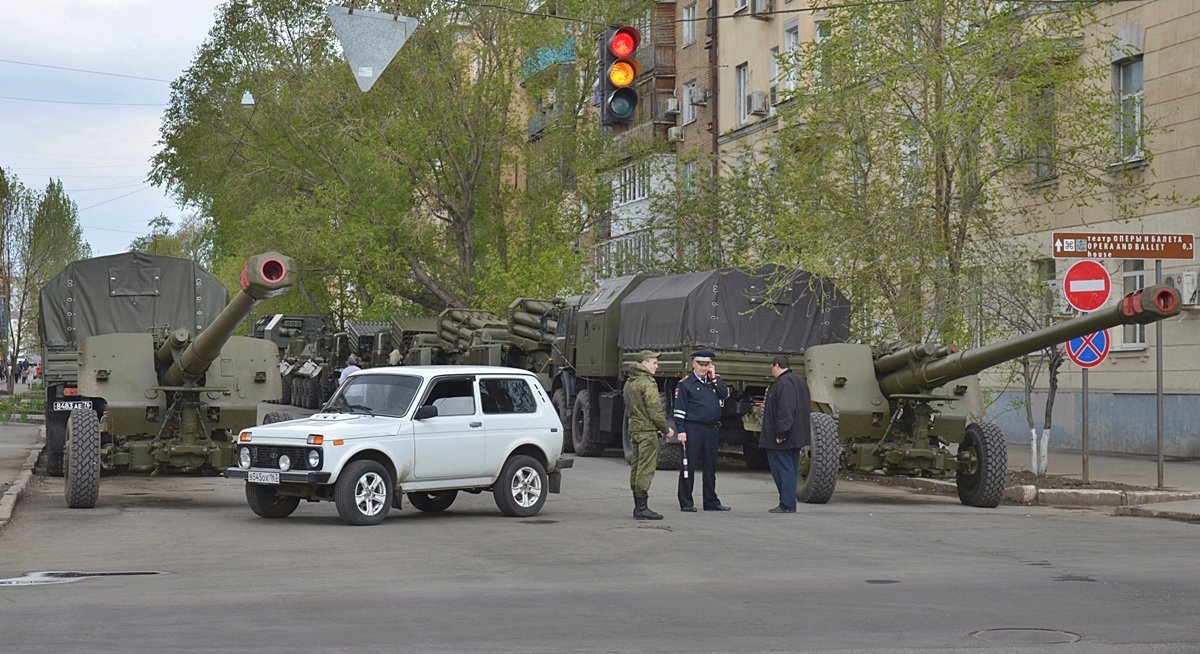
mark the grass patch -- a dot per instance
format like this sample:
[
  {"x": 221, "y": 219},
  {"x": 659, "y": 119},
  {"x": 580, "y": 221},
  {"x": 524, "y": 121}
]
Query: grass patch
[{"x": 18, "y": 408}]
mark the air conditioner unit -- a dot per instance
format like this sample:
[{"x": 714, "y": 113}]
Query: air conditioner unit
[
  {"x": 671, "y": 106},
  {"x": 761, "y": 9},
  {"x": 759, "y": 104},
  {"x": 674, "y": 134},
  {"x": 698, "y": 97},
  {"x": 1188, "y": 285}
]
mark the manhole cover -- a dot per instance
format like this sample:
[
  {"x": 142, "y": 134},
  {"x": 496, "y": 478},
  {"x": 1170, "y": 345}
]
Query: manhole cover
[
  {"x": 539, "y": 522},
  {"x": 883, "y": 581},
  {"x": 66, "y": 577},
  {"x": 1022, "y": 636}
]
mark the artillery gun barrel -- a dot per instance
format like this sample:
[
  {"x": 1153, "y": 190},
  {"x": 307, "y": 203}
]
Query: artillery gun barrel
[
  {"x": 265, "y": 275},
  {"x": 904, "y": 356},
  {"x": 174, "y": 341},
  {"x": 1139, "y": 308}
]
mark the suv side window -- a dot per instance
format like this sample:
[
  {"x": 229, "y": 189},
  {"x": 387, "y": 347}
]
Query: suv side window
[
  {"x": 506, "y": 396},
  {"x": 452, "y": 397}
]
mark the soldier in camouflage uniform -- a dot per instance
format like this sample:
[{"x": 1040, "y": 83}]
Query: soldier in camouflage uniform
[{"x": 647, "y": 419}]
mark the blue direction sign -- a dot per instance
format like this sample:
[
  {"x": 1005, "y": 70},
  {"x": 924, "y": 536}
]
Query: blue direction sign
[{"x": 1090, "y": 350}]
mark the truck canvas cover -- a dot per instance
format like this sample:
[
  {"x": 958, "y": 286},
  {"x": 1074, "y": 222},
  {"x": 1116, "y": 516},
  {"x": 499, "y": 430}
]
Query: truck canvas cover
[
  {"x": 771, "y": 310},
  {"x": 127, "y": 293}
]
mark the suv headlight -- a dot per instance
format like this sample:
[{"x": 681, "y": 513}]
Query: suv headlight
[
  {"x": 314, "y": 459},
  {"x": 244, "y": 457}
]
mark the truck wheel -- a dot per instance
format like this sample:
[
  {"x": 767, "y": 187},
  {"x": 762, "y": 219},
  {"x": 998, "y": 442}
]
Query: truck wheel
[
  {"x": 276, "y": 416},
  {"x": 297, "y": 391},
  {"x": 363, "y": 493},
  {"x": 583, "y": 429},
  {"x": 54, "y": 464},
  {"x": 559, "y": 400},
  {"x": 521, "y": 489},
  {"x": 286, "y": 385},
  {"x": 982, "y": 466},
  {"x": 432, "y": 502},
  {"x": 670, "y": 456},
  {"x": 82, "y": 458},
  {"x": 819, "y": 462},
  {"x": 265, "y": 502},
  {"x": 754, "y": 456}
]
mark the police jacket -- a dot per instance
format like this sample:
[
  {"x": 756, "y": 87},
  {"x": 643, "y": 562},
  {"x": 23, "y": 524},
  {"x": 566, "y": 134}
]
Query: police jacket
[
  {"x": 642, "y": 403},
  {"x": 698, "y": 401},
  {"x": 786, "y": 414}
]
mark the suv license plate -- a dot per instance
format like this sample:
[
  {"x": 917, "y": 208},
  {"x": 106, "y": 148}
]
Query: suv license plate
[
  {"x": 67, "y": 406},
  {"x": 262, "y": 477}
]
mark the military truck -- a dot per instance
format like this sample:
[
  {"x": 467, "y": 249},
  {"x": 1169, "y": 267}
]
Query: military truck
[
  {"x": 744, "y": 317},
  {"x": 400, "y": 337},
  {"x": 291, "y": 334},
  {"x": 143, "y": 372}
]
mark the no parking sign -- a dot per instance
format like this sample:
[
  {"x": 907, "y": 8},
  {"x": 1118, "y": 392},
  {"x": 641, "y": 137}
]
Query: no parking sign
[{"x": 1089, "y": 350}]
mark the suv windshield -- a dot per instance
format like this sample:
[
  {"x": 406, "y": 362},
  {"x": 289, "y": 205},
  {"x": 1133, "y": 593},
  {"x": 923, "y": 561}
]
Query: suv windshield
[{"x": 382, "y": 395}]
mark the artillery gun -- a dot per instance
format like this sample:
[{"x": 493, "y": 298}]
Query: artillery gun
[
  {"x": 898, "y": 410},
  {"x": 532, "y": 324},
  {"x": 171, "y": 401}
]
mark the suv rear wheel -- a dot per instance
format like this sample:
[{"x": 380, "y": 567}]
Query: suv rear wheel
[
  {"x": 363, "y": 493},
  {"x": 522, "y": 486}
]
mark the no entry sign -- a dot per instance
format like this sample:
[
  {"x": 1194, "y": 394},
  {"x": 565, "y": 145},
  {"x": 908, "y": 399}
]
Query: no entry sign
[
  {"x": 1087, "y": 285},
  {"x": 1090, "y": 350}
]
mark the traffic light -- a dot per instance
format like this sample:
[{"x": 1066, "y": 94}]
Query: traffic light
[{"x": 618, "y": 74}]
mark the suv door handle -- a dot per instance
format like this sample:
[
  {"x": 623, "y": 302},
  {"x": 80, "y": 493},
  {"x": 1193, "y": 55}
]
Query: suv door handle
[{"x": 476, "y": 424}]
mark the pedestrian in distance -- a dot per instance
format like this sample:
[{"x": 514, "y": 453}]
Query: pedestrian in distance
[
  {"x": 351, "y": 368},
  {"x": 647, "y": 420},
  {"x": 699, "y": 398},
  {"x": 785, "y": 430}
]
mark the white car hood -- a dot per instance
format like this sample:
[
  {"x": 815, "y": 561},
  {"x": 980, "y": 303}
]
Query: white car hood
[{"x": 329, "y": 425}]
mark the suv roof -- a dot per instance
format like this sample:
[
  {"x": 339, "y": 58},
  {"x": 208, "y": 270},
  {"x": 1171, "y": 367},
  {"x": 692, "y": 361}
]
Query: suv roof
[{"x": 435, "y": 371}]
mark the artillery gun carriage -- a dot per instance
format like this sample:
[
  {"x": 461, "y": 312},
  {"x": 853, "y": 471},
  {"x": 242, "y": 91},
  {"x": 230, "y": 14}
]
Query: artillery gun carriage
[{"x": 148, "y": 395}]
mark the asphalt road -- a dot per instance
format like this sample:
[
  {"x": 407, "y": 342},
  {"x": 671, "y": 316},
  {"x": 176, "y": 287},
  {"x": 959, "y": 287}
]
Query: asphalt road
[{"x": 876, "y": 570}]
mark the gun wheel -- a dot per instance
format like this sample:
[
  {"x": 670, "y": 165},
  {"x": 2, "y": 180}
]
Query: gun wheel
[
  {"x": 819, "y": 462},
  {"x": 82, "y": 459},
  {"x": 982, "y": 466}
]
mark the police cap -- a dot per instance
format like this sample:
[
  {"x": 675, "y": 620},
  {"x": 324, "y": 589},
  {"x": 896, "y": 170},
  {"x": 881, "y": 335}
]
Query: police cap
[{"x": 703, "y": 356}]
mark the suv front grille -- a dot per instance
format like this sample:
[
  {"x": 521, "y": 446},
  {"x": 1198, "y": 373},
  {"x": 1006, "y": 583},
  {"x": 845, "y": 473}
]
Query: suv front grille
[{"x": 267, "y": 456}]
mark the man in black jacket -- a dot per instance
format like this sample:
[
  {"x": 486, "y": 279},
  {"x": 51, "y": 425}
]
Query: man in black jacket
[{"x": 785, "y": 430}]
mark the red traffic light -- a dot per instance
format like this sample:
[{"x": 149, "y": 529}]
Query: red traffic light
[{"x": 624, "y": 42}]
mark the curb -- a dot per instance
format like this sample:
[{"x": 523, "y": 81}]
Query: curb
[
  {"x": 8, "y": 502},
  {"x": 1146, "y": 512},
  {"x": 1028, "y": 494}
]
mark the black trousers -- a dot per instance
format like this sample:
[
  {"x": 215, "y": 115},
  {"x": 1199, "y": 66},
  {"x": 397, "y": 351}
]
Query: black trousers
[{"x": 701, "y": 450}]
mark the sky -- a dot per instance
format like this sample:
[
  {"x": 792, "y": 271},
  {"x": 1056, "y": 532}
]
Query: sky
[{"x": 95, "y": 132}]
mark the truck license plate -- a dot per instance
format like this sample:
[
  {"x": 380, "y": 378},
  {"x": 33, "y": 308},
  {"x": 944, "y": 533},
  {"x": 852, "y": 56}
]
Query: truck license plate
[
  {"x": 262, "y": 477},
  {"x": 67, "y": 406}
]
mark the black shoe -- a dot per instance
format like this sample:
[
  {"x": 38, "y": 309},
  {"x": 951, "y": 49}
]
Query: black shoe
[
  {"x": 719, "y": 507},
  {"x": 643, "y": 512},
  {"x": 780, "y": 509},
  {"x": 688, "y": 509}
]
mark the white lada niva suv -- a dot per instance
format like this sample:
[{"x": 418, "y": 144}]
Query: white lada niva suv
[{"x": 425, "y": 431}]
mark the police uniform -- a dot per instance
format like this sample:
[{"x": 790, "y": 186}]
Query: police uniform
[{"x": 697, "y": 413}]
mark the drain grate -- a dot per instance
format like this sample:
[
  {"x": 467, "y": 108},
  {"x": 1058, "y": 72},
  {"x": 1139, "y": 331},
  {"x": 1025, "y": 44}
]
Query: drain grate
[
  {"x": 68, "y": 576},
  {"x": 1026, "y": 636}
]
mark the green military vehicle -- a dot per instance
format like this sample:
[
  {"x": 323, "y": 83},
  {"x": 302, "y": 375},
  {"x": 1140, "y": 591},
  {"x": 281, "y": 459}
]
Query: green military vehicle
[
  {"x": 746, "y": 318},
  {"x": 143, "y": 372},
  {"x": 392, "y": 345},
  {"x": 291, "y": 334}
]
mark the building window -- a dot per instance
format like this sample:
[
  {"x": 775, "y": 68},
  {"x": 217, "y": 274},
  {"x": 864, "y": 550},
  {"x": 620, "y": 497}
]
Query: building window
[
  {"x": 1131, "y": 105},
  {"x": 688, "y": 177},
  {"x": 1047, "y": 274},
  {"x": 689, "y": 109},
  {"x": 631, "y": 184},
  {"x": 1133, "y": 278},
  {"x": 791, "y": 43},
  {"x": 741, "y": 93},
  {"x": 689, "y": 25},
  {"x": 774, "y": 70},
  {"x": 1041, "y": 118},
  {"x": 821, "y": 32},
  {"x": 739, "y": 5}
]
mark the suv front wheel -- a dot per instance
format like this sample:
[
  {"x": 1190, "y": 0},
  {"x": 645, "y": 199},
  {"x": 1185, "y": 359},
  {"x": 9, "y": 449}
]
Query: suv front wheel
[
  {"x": 521, "y": 489},
  {"x": 363, "y": 493}
]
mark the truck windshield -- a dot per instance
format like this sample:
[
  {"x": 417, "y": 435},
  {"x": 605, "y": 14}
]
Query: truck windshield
[{"x": 382, "y": 395}]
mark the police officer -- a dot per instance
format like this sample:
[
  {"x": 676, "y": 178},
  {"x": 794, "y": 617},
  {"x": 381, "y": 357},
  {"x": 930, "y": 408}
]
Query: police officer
[
  {"x": 647, "y": 419},
  {"x": 698, "y": 401}
]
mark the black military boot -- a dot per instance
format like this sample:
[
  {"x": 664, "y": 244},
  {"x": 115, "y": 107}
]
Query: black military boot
[{"x": 643, "y": 512}]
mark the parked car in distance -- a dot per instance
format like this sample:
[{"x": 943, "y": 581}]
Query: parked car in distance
[{"x": 427, "y": 432}]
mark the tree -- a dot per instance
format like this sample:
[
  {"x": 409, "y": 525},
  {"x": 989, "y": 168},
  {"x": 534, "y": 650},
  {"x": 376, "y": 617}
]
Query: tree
[
  {"x": 41, "y": 236},
  {"x": 192, "y": 240}
]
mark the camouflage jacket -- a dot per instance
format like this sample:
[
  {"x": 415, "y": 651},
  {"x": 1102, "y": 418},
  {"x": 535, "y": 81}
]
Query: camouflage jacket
[{"x": 642, "y": 402}]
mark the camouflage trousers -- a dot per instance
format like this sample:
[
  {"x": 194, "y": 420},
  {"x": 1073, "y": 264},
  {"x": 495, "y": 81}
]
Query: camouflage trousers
[{"x": 645, "y": 461}]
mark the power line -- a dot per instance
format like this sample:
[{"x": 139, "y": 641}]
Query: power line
[
  {"x": 107, "y": 104},
  {"x": 125, "y": 195},
  {"x": 82, "y": 70}
]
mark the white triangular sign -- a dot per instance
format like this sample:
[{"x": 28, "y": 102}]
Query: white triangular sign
[{"x": 370, "y": 40}]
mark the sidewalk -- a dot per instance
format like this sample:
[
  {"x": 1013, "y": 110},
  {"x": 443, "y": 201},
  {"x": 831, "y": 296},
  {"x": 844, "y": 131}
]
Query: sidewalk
[
  {"x": 20, "y": 445},
  {"x": 1132, "y": 469}
]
